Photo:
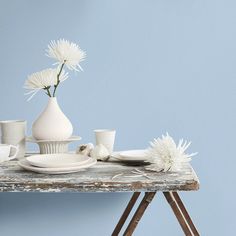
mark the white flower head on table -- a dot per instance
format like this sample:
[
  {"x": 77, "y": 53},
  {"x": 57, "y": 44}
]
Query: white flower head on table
[
  {"x": 66, "y": 53},
  {"x": 167, "y": 155}
]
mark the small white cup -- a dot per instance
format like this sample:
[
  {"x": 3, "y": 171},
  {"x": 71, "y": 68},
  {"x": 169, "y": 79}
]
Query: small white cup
[
  {"x": 13, "y": 128},
  {"x": 5, "y": 150},
  {"x": 13, "y": 132},
  {"x": 20, "y": 142},
  {"x": 105, "y": 137}
]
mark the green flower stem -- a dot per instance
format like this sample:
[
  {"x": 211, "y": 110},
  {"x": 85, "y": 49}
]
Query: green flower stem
[
  {"x": 48, "y": 91},
  {"x": 58, "y": 79}
]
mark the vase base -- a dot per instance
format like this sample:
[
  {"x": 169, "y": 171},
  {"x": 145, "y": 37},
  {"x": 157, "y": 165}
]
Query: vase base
[{"x": 51, "y": 146}]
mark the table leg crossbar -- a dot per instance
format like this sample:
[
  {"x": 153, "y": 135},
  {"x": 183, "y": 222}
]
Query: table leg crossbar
[{"x": 172, "y": 198}]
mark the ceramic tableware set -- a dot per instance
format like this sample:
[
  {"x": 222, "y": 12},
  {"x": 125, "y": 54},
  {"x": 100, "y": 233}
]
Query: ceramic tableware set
[
  {"x": 54, "y": 157},
  {"x": 104, "y": 150}
]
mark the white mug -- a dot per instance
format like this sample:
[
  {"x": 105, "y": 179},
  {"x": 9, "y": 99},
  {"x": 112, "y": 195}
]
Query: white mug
[
  {"x": 13, "y": 132},
  {"x": 13, "y": 128},
  {"x": 105, "y": 137},
  {"x": 5, "y": 150}
]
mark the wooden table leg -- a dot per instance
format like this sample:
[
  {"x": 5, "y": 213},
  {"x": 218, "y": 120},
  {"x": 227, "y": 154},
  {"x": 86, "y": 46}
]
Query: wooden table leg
[
  {"x": 181, "y": 213},
  {"x": 139, "y": 213},
  {"x": 185, "y": 213},
  {"x": 126, "y": 213}
]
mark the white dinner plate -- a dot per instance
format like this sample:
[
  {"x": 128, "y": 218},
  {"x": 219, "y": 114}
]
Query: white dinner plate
[
  {"x": 57, "y": 160},
  {"x": 132, "y": 155},
  {"x": 59, "y": 170}
]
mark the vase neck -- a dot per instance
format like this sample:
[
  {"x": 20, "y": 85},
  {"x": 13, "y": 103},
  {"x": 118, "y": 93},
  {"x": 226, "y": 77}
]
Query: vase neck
[{"x": 52, "y": 100}]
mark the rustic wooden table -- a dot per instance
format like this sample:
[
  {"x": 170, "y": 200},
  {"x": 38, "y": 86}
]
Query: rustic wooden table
[{"x": 100, "y": 178}]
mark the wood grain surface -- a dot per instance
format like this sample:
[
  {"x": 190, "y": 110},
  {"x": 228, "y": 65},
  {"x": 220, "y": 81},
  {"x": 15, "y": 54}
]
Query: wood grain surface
[{"x": 98, "y": 178}]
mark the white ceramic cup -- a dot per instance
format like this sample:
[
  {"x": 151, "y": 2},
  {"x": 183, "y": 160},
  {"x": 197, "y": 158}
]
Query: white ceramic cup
[
  {"x": 20, "y": 142},
  {"x": 105, "y": 137},
  {"x": 13, "y": 132},
  {"x": 5, "y": 151}
]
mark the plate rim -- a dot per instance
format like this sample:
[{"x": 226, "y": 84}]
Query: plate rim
[
  {"x": 46, "y": 165},
  {"x": 123, "y": 157},
  {"x": 25, "y": 165},
  {"x": 31, "y": 139}
]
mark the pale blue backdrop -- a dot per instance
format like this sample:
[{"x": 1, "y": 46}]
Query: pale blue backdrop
[{"x": 152, "y": 67}]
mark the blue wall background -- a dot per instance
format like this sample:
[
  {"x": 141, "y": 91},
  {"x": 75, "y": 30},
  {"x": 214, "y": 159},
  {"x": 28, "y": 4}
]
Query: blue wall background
[{"x": 152, "y": 67}]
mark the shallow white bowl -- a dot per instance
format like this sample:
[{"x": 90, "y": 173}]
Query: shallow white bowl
[
  {"x": 132, "y": 155},
  {"x": 57, "y": 160},
  {"x": 59, "y": 170}
]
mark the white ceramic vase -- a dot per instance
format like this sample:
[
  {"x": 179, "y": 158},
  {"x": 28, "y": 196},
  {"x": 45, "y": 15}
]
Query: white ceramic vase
[{"x": 52, "y": 124}]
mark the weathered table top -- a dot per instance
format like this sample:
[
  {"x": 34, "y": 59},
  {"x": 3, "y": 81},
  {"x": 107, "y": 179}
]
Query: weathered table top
[{"x": 99, "y": 178}]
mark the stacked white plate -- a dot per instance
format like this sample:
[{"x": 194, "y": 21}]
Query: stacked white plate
[
  {"x": 132, "y": 156},
  {"x": 57, "y": 163}
]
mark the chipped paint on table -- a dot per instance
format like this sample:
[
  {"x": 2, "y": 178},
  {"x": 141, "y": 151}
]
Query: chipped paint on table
[{"x": 96, "y": 179}]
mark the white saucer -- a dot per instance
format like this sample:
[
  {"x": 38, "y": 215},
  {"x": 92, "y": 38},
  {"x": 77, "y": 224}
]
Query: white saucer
[
  {"x": 53, "y": 146},
  {"x": 71, "y": 139},
  {"x": 132, "y": 155},
  {"x": 60, "y": 170},
  {"x": 57, "y": 160}
]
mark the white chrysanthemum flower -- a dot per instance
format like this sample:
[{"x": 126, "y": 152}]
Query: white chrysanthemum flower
[
  {"x": 43, "y": 79},
  {"x": 165, "y": 154},
  {"x": 66, "y": 52}
]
